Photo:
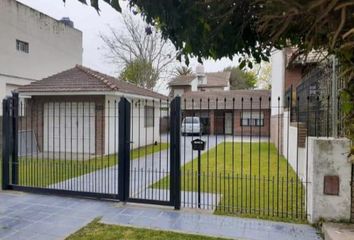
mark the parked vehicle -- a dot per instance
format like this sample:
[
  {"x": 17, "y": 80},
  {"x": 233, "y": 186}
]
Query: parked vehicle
[{"x": 191, "y": 125}]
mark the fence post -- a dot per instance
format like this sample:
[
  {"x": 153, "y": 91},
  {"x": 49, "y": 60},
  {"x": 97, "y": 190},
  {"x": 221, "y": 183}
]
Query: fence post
[
  {"x": 6, "y": 144},
  {"x": 15, "y": 162},
  {"x": 334, "y": 98},
  {"x": 175, "y": 152},
  {"x": 124, "y": 149}
]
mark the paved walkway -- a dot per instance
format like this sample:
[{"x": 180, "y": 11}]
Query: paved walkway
[{"x": 36, "y": 217}]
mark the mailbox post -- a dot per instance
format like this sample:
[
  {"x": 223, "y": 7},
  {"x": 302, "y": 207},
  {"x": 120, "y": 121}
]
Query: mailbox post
[{"x": 198, "y": 145}]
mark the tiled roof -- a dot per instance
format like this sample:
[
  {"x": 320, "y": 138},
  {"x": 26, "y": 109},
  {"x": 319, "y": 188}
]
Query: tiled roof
[
  {"x": 294, "y": 57},
  {"x": 227, "y": 99},
  {"x": 182, "y": 80},
  {"x": 216, "y": 79},
  {"x": 82, "y": 79}
]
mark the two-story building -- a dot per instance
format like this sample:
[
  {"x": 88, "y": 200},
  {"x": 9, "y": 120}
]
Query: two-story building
[{"x": 34, "y": 46}]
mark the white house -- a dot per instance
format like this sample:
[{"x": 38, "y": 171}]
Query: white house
[
  {"x": 201, "y": 81},
  {"x": 77, "y": 111}
]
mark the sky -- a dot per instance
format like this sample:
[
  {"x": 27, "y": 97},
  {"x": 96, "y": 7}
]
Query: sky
[{"x": 91, "y": 23}]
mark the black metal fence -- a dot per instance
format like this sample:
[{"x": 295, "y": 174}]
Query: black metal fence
[
  {"x": 241, "y": 171},
  {"x": 318, "y": 97},
  {"x": 89, "y": 146},
  {"x": 140, "y": 150}
]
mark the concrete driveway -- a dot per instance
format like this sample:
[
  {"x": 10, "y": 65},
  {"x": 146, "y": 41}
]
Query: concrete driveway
[{"x": 146, "y": 170}]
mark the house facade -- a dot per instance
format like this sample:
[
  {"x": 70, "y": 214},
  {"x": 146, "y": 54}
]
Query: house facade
[
  {"x": 200, "y": 82},
  {"x": 221, "y": 110},
  {"x": 34, "y": 46},
  {"x": 77, "y": 111},
  {"x": 233, "y": 112}
]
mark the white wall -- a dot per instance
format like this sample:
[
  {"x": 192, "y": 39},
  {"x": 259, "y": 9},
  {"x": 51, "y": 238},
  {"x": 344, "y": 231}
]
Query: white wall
[
  {"x": 53, "y": 47},
  {"x": 194, "y": 85},
  {"x": 111, "y": 124},
  {"x": 296, "y": 155},
  {"x": 320, "y": 157},
  {"x": 328, "y": 156},
  {"x": 277, "y": 78},
  {"x": 140, "y": 135},
  {"x": 178, "y": 92}
]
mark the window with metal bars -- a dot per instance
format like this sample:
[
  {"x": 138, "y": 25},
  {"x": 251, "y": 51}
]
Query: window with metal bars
[
  {"x": 22, "y": 46},
  {"x": 252, "y": 119}
]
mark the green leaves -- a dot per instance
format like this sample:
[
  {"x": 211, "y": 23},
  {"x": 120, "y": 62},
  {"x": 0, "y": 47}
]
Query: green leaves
[
  {"x": 206, "y": 29},
  {"x": 241, "y": 79},
  {"x": 141, "y": 73},
  {"x": 242, "y": 64},
  {"x": 94, "y": 3}
]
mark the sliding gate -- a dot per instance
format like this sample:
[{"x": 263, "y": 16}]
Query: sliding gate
[{"x": 118, "y": 149}]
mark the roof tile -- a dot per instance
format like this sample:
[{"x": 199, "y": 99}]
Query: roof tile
[{"x": 83, "y": 79}]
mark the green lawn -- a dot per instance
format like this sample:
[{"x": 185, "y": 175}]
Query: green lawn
[
  {"x": 43, "y": 172},
  {"x": 251, "y": 183},
  {"x": 96, "y": 230}
]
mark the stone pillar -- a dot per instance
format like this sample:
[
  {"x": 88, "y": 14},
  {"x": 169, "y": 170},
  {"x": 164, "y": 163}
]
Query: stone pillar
[{"x": 329, "y": 176}]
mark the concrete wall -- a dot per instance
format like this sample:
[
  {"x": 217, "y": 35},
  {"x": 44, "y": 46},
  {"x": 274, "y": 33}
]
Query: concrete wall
[
  {"x": 53, "y": 47},
  {"x": 276, "y": 127},
  {"x": 328, "y": 156},
  {"x": 277, "y": 78},
  {"x": 317, "y": 158},
  {"x": 291, "y": 150},
  {"x": 111, "y": 124},
  {"x": 277, "y": 96}
]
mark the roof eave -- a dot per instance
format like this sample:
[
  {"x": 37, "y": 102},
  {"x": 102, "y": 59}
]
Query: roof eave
[{"x": 91, "y": 93}]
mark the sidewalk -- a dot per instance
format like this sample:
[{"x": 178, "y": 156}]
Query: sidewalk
[{"x": 30, "y": 216}]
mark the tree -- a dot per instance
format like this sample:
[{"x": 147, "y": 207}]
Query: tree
[
  {"x": 217, "y": 28},
  {"x": 241, "y": 79},
  {"x": 251, "y": 28},
  {"x": 134, "y": 51},
  {"x": 263, "y": 72},
  {"x": 141, "y": 73},
  {"x": 202, "y": 28},
  {"x": 183, "y": 71}
]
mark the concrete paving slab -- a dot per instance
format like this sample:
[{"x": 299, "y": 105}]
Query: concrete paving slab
[
  {"x": 65, "y": 220},
  {"x": 338, "y": 231}
]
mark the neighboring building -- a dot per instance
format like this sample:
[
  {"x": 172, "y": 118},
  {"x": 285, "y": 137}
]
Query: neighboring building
[
  {"x": 77, "y": 111},
  {"x": 301, "y": 88},
  {"x": 220, "y": 109},
  {"x": 307, "y": 129},
  {"x": 233, "y": 112},
  {"x": 34, "y": 45},
  {"x": 201, "y": 81}
]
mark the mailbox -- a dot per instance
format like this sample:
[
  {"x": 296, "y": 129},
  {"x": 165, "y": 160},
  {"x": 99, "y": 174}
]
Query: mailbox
[{"x": 198, "y": 144}]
